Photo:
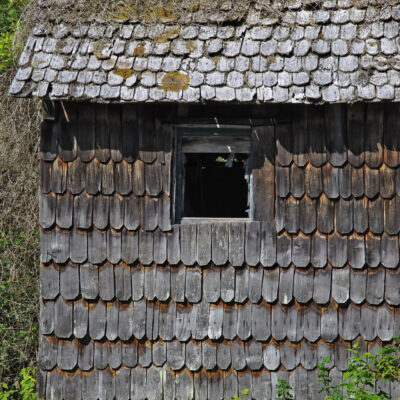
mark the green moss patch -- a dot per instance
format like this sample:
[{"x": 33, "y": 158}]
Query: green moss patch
[
  {"x": 175, "y": 81},
  {"x": 139, "y": 50},
  {"x": 124, "y": 72}
]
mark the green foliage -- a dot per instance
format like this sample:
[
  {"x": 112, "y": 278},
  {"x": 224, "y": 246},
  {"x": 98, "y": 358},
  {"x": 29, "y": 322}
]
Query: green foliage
[
  {"x": 242, "y": 396},
  {"x": 10, "y": 11},
  {"x": 24, "y": 389},
  {"x": 361, "y": 378},
  {"x": 283, "y": 390},
  {"x": 18, "y": 317},
  {"x": 19, "y": 238},
  {"x": 363, "y": 373}
]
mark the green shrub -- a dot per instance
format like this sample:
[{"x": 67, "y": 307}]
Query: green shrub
[
  {"x": 24, "y": 389},
  {"x": 363, "y": 373},
  {"x": 361, "y": 379},
  {"x": 10, "y": 11},
  {"x": 283, "y": 390}
]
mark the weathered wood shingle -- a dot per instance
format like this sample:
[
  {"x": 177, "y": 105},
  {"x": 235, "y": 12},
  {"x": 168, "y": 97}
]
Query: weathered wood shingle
[{"x": 132, "y": 306}]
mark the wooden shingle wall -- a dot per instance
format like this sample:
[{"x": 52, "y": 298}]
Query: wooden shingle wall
[{"x": 133, "y": 307}]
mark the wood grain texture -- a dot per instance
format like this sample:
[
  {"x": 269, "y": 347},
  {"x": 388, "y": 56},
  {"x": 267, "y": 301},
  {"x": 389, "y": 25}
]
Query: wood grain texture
[
  {"x": 220, "y": 243},
  {"x": 263, "y": 139}
]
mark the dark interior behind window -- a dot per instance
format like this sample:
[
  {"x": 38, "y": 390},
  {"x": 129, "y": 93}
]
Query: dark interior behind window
[
  {"x": 215, "y": 185},
  {"x": 213, "y": 175}
]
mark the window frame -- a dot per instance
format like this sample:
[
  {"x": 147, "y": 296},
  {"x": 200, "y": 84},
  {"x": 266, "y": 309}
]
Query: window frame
[{"x": 178, "y": 169}]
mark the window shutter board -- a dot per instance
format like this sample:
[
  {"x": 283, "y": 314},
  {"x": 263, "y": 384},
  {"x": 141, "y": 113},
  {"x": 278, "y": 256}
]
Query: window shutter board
[{"x": 263, "y": 141}]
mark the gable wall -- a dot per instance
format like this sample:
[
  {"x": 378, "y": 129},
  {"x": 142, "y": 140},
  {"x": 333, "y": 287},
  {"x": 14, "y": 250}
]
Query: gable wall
[{"x": 133, "y": 307}]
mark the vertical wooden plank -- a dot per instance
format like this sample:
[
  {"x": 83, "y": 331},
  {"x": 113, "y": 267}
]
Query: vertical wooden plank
[
  {"x": 86, "y": 132},
  {"x": 282, "y": 180},
  {"x": 260, "y": 321},
  {"x": 241, "y": 284},
  {"x": 129, "y": 132},
  {"x": 203, "y": 244},
  {"x": 313, "y": 181},
  {"x": 164, "y": 212},
  {"x": 371, "y": 178},
  {"x": 227, "y": 284},
  {"x": 220, "y": 243},
  {"x": 317, "y": 136},
  {"x": 297, "y": 179},
  {"x": 45, "y": 176},
  {"x": 60, "y": 245},
  {"x": 330, "y": 176},
  {"x": 387, "y": 184},
  {"x": 46, "y": 320},
  {"x": 58, "y": 176},
  {"x": 272, "y": 356},
  {"x": 107, "y": 178},
  {"x": 145, "y": 247},
  {"x": 67, "y": 140},
  {"x": 356, "y": 133},
  {"x": 102, "y": 141},
  {"x": 252, "y": 246},
  {"x": 47, "y": 210},
  {"x": 263, "y": 139},
  {"x": 376, "y": 216},
  {"x": 164, "y": 135},
  {"x": 49, "y": 131},
  {"x": 336, "y": 134},
  {"x": 300, "y": 138},
  {"x": 270, "y": 285},
  {"x": 322, "y": 286},
  {"x": 93, "y": 181},
  {"x": 147, "y": 134},
  {"x": 229, "y": 324},
  {"x": 231, "y": 384},
  {"x": 173, "y": 246},
  {"x": 292, "y": 215},
  {"x": 345, "y": 178},
  {"x": 303, "y": 285},
  {"x": 149, "y": 212},
  {"x": 63, "y": 318},
  {"x": 83, "y": 206},
  {"x": 374, "y": 135},
  {"x": 200, "y": 385},
  {"x": 236, "y": 243},
  {"x": 360, "y": 214},
  {"x": 76, "y": 176},
  {"x": 392, "y": 216},
  {"x": 268, "y": 244},
  {"x": 153, "y": 178},
  {"x": 325, "y": 214},
  {"x": 114, "y": 117},
  {"x": 344, "y": 216},
  {"x": 212, "y": 284},
  {"x": 286, "y": 285},
  {"x": 160, "y": 247},
  {"x": 391, "y": 137},
  {"x": 284, "y": 144},
  {"x": 188, "y": 236},
  {"x": 308, "y": 215},
  {"x": 123, "y": 178},
  {"x": 54, "y": 383}
]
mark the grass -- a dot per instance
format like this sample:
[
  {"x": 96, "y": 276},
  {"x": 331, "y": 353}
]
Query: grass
[{"x": 19, "y": 240}]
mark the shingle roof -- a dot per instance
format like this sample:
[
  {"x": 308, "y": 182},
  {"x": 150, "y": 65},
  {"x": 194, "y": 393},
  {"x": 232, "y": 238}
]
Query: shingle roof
[{"x": 337, "y": 53}]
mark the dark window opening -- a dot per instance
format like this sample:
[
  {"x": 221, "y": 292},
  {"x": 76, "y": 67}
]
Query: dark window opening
[
  {"x": 215, "y": 185},
  {"x": 213, "y": 175}
]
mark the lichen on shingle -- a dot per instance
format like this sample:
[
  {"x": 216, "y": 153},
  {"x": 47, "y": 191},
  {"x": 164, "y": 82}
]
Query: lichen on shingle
[{"x": 175, "y": 81}]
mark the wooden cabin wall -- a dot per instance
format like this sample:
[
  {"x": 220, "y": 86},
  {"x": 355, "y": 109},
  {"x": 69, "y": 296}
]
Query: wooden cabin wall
[{"x": 133, "y": 306}]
